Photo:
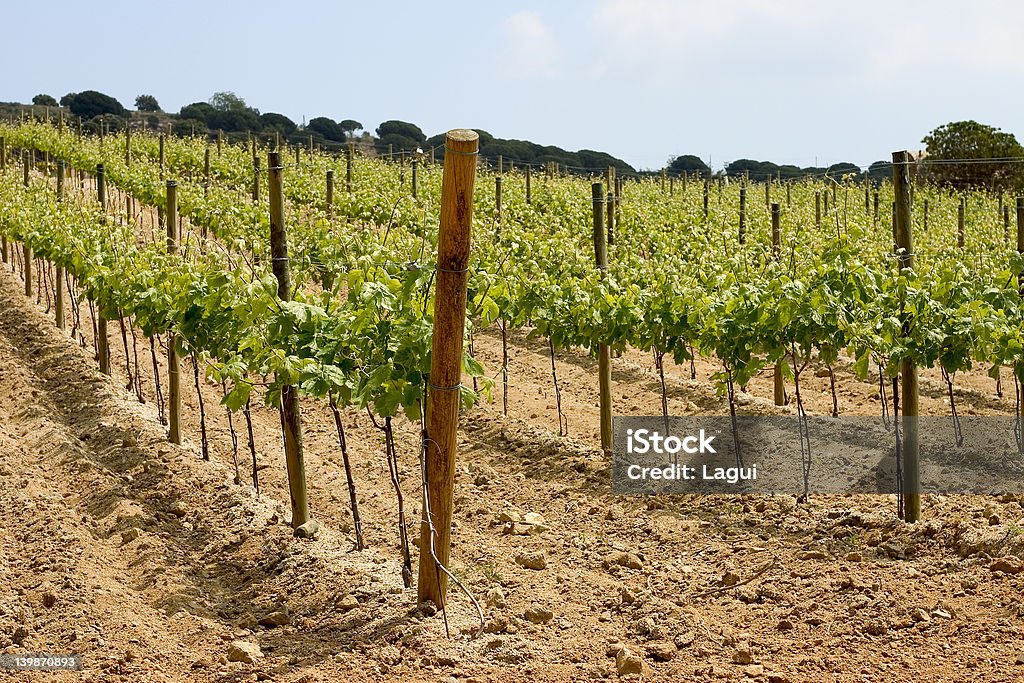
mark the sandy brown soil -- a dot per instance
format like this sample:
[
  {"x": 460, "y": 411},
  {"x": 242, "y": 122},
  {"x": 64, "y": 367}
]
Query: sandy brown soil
[{"x": 154, "y": 565}]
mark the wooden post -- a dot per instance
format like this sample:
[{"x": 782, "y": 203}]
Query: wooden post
[
  {"x": 908, "y": 370},
  {"x": 26, "y": 250},
  {"x": 256, "y": 181},
  {"x": 501, "y": 165},
  {"x": 1006, "y": 222},
  {"x": 768, "y": 193},
  {"x": 707, "y": 190},
  {"x": 220, "y": 140},
  {"x": 529, "y": 198},
  {"x": 1020, "y": 237},
  {"x": 26, "y": 166},
  {"x": 348, "y": 168},
  {"x": 867, "y": 199},
  {"x": 780, "y": 387},
  {"x": 443, "y": 401},
  {"x": 391, "y": 152},
  {"x": 817, "y": 209},
  {"x": 925, "y": 215},
  {"x": 3, "y": 153},
  {"x": 330, "y": 193},
  {"x": 497, "y": 197},
  {"x": 743, "y": 215},
  {"x": 163, "y": 157},
  {"x": 101, "y": 320},
  {"x": 414, "y": 178},
  {"x": 291, "y": 420},
  {"x": 173, "y": 364},
  {"x": 604, "y": 356},
  {"x": 960, "y": 229},
  {"x": 128, "y": 146},
  {"x": 876, "y": 205},
  {"x": 58, "y": 285},
  {"x": 206, "y": 168},
  {"x": 298, "y": 155}
]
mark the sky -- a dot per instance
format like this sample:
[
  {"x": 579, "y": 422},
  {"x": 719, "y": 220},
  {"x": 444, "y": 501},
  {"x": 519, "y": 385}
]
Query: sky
[{"x": 799, "y": 82}]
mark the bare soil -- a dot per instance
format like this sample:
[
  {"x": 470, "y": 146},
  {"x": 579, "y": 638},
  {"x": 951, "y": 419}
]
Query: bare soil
[{"x": 155, "y": 566}]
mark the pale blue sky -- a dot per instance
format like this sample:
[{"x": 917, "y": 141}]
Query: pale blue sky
[{"x": 791, "y": 81}]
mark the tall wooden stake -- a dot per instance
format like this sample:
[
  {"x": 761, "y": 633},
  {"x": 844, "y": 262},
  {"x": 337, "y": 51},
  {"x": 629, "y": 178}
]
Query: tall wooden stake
[
  {"x": 604, "y": 355},
  {"x": 291, "y": 419},
  {"x": 101, "y": 320},
  {"x": 743, "y": 215},
  {"x": 58, "y": 285},
  {"x": 446, "y": 360},
  {"x": 25, "y": 248},
  {"x": 173, "y": 363},
  {"x": 780, "y": 387},
  {"x": 908, "y": 370},
  {"x": 330, "y": 193}
]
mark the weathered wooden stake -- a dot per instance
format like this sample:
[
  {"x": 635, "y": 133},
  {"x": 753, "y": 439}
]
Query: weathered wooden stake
[
  {"x": 780, "y": 387},
  {"x": 743, "y": 215},
  {"x": 173, "y": 363},
  {"x": 446, "y": 360},
  {"x": 101, "y": 320},
  {"x": 291, "y": 420},
  {"x": 330, "y": 193},
  {"x": 497, "y": 198},
  {"x": 817, "y": 209},
  {"x": 415, "y": 186},
  {"x": 58, "y": 304},
  {"x": 529, "y": 197},
  {"x": 604, "y": 356},
  {"x": 908, "y": 370}
]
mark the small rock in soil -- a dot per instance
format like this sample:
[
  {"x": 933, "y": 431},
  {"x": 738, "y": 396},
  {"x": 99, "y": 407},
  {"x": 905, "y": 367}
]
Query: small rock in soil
[
  {"x": 743, "y": 655},
  {"x": 622, "y": 559},
  {"x": 495, "y": 597},
  {"x": 919, "y": 615},
  {"x": 684, "y": 640},
  {"x": 754, "y": 670},
  {"x": 532, "y": 560},
  {"x": 346, "y": 602},
  {"x": 661, "y": 652},
  {"x": 274, "y": 619},
  {"x": 626, "y": 662},
  {"x": 497, "y": 624},
  {"x": 1007, "y": 565},
  {"x": 242, "y": 651},
  {"x": 537, "y": 614},
  {"x": 785, "y": 625}
]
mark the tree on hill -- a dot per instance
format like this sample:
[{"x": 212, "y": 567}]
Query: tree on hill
[
  {"x": 327, "y": 129},
  {"x": 146, "y": 103},
  {"x": 688, "y": 163},
  {"x": 67, "y": 99},
  {"x": 227, "y": 101},
  {"x": 400, "y": 135},
  {"x": 200, "y": 111},
  {"x": 90, "y": 103},
  {"x": 350, "y": 126},
  {"x": 272, "y": 122},
  {"x": 970, "y": 140},
  {"x": 44, "y": 101}
]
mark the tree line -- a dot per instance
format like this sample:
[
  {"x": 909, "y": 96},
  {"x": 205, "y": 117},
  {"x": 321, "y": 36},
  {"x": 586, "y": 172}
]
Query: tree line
[{"x": 962, "y": 155}]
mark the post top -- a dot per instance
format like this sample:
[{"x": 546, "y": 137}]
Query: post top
[{"x": 462, "y": 135}]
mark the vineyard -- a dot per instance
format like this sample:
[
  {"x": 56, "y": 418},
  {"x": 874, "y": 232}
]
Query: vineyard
[{"x": 246, "y": 301}]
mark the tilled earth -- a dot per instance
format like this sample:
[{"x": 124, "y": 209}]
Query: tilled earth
[{"x": 154, "y": 565}]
